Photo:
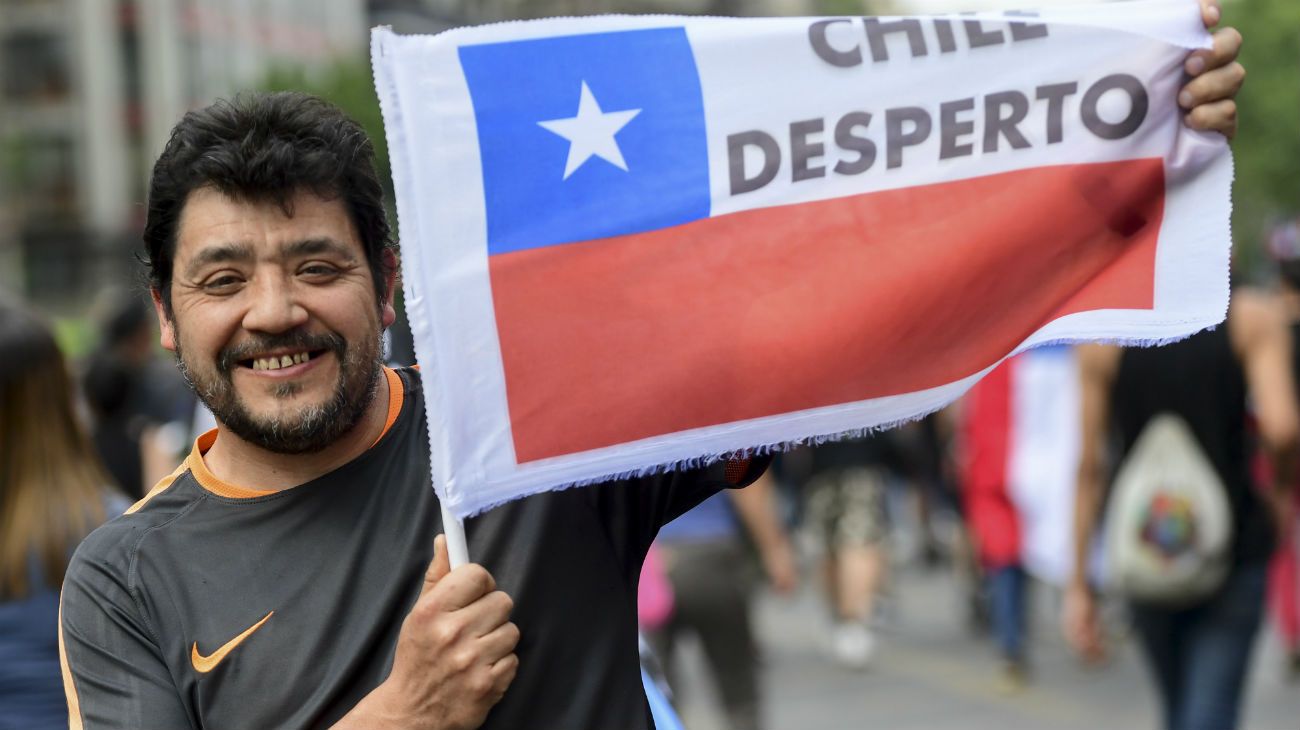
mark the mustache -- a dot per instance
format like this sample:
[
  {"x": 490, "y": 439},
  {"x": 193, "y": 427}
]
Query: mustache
[{"x": 297, "y": 340}]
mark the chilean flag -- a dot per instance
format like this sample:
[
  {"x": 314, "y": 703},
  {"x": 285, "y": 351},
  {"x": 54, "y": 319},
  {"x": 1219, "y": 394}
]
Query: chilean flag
[
  {"x": 1020, "y": 440},
  {"x": 635, "y": 242}
]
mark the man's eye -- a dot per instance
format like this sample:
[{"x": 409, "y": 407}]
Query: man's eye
[
  {"x": 223, "y": 283},
  {"x": 318, "y": 271}
]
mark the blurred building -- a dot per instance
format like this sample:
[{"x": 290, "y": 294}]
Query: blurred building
[
  {"x": 460, "y": 12},
  {"x": 89, "y": 90}
]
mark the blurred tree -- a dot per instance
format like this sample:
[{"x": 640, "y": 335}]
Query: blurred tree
[
  {"x": 858, "y": 7},
  {"x": 840, "y": 7},
  {"x": 1267, "y": 147}
]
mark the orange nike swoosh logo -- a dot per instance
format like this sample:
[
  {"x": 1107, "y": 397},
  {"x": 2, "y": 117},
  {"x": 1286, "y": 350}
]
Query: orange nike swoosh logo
[{"x": 205, "y": 664}]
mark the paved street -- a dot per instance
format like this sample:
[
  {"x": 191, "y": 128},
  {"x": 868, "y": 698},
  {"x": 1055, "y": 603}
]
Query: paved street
[{"x": 931, "y": 674}]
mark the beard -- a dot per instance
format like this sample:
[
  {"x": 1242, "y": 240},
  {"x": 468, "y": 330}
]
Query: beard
[{"x": 312, "y": 427}]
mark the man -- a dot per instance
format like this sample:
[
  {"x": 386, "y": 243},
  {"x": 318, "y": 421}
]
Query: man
[{"x": 281, "y": 577}]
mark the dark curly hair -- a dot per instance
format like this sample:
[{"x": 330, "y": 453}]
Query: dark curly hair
[{"x": 266, "y": 147}]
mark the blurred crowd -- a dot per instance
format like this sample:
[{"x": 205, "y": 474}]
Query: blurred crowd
[
  {"x": 1009, "y": 490},
  {"x": 1056, "y": 472}
]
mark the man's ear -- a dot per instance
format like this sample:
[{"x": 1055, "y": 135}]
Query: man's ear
[
  {"x": 392, "y": 265},
  {"x": 165, "y": 325}
]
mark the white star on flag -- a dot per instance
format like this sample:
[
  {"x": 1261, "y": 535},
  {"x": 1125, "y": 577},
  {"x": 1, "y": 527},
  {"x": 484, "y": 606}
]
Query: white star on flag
[{"x": 591, "y": 133}]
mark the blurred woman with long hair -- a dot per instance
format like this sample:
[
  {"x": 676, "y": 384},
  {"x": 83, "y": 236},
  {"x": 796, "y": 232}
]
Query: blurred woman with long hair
[{"x": 53, "y": 492}]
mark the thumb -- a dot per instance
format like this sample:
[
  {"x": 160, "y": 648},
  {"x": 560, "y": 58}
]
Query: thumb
[{"x": 440, "y": 566}]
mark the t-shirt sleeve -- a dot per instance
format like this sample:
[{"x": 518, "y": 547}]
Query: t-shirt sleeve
[
  {"x": 691, "y": 487},
  {"x": 650, "y": 502},
  {"x": 113, "y": 672}
]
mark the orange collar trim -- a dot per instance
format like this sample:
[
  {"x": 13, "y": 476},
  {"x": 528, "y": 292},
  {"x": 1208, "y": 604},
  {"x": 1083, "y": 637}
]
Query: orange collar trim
[
  {"x": 396, "y": 394},
  {"x": 211, "y": 482}
]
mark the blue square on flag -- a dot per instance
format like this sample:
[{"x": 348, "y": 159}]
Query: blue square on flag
[{"x": 588, "y": 136}]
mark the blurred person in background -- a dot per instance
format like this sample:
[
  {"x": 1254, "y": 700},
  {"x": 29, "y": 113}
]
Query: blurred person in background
[
  {"x": 1284, "y": 573},
  {"x": 53, "y": 492},
  {"x": 137, "y": 402},
  {"x": 1199, "y": 655},
  {"x": 706, "y": 560},
  {"x": 992, "y": 518},
  {"x": 845, "y": 490},
  {"x": 1019, "y": 443},
  {"x": 926, "y": 444}
]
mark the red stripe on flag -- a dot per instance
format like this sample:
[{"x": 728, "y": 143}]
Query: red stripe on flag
[{"x": 783, "y": 309}]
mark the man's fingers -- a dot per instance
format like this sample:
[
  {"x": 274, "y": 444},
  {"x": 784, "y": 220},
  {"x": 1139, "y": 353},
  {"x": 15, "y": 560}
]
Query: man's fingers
[
  {"x": 503, "y": 673},
  {"x": 499, "y": 642},
  {"x": 1227, "y": 46},
  {"x": 1218, "y": 77},
  {"x": 462, "y": 587},
  {"x": 488, "y": 613},
  {"x": 1211, "y": 12},
  {"x": 440, "y": 566},
  {"x": 1217, "y": 85},
  {"x": 1219, "y": 116}
]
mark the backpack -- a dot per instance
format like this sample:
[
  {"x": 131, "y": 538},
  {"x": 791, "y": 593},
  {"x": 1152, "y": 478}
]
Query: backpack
[{"x": 1169, "y": 523}]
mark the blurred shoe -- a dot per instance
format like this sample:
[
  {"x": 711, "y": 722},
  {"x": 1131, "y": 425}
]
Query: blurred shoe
[
  {"x": 1293, "y": 666},
  {"x": 853, "y": 645},
  {"x": 1013, "y": 678}
]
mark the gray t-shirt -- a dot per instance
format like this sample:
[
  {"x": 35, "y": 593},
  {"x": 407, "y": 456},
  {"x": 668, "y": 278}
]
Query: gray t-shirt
[{"x": 207, "y": 606}]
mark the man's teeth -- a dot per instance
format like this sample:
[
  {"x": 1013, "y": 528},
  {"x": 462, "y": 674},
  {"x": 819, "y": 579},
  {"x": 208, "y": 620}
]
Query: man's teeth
[{"x": 283, "y": 361}]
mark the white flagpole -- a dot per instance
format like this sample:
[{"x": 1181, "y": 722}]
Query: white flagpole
[{"x": 454, "y": 529}]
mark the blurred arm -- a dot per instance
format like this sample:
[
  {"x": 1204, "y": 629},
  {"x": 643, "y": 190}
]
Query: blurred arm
[
  {"x": 1080, "y": 622},
  {"x": 1097, "y": 366},
  {"x": 1262, "y": 341},
  {"x": 756, "y": 505}
]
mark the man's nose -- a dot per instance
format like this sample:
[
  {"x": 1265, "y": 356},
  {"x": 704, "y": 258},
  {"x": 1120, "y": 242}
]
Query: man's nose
[{"x": 274, "y": 306}]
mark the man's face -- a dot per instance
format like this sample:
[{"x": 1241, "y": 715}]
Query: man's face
[{"x": 275, "y": 321}]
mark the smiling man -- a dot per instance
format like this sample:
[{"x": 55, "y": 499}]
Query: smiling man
[{"x": 286, "y": 575}]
